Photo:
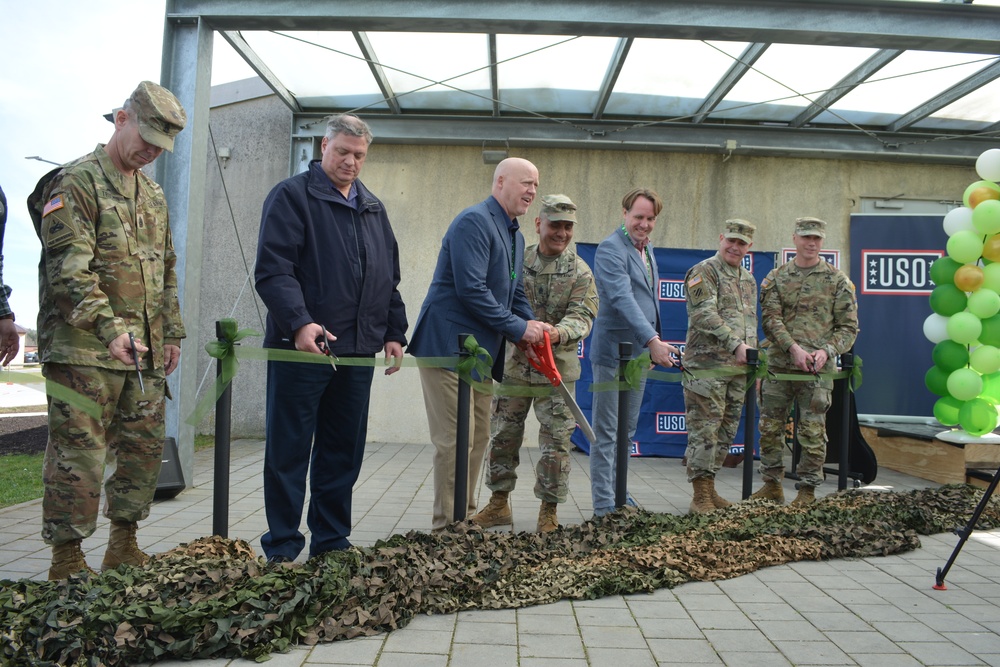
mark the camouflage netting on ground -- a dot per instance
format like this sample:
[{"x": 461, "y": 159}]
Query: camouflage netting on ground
[{"x": 216, "y": 598}]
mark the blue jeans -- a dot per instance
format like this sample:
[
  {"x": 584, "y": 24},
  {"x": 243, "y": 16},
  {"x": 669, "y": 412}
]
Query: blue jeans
[
  {"x": 603, "y": 463},
  {"x": 318, "y": 418}
]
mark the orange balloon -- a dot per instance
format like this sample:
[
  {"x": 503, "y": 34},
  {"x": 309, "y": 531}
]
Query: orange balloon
[
  {"x": 991, "y": 248},
  {"x": 969, "y": 278},
  {"x": 982, "y": 194}
]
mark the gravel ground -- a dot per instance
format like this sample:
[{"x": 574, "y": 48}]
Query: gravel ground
[{"x": 23, "y": 435}]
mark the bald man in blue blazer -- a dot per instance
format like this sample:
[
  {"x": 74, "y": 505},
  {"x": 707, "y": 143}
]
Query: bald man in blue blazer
[
  {"x": 477, "y": 289},
  {"x": 626, "y": 274}
]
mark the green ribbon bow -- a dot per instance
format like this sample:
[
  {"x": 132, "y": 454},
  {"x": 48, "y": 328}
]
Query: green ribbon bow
[
  {"x": 479, "y": 361},
  {"x": 225, "y": 351}
]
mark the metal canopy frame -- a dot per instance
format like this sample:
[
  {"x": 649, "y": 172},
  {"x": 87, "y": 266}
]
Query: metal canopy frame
[{"x": 892, "y": 26}]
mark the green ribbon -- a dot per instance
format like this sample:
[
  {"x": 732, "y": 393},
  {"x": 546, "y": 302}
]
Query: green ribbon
[
  {"x": 57, "y": 391},
  {"x": 223, "y": 349},
  {"x": 479, "y": 361}
]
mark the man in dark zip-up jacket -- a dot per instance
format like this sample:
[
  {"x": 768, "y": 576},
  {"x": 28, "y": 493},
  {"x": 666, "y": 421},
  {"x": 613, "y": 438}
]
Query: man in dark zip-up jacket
[{"x": 326, "y": 258}]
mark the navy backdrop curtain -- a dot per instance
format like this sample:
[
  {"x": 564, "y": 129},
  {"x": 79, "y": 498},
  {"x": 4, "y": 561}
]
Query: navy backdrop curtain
[
  {"x": 662, "y": 429},
  {"x": 895, "y": 253}
]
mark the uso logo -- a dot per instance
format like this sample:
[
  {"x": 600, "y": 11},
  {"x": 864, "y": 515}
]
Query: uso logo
[
  {"x": 671, "y": 422},
  {"x": 672, "y": 290},
  {"x": 579, "y": 348},
  {"x": 898, "y": 272},
  {"x": 748, "y": 262}
]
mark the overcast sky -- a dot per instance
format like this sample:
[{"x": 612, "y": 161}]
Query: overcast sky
[{"x": 65, "y": 63}]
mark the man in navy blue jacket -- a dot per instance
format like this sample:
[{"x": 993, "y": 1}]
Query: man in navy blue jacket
[
  {"x": 477, "y": 289},
  {"x": 327, "y": 262}
]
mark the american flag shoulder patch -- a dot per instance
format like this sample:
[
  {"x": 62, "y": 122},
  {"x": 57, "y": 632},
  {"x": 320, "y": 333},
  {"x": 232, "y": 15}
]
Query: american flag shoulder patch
[
  {"x": 694, "y": 281},
  {"x": 54, "y": 204}
]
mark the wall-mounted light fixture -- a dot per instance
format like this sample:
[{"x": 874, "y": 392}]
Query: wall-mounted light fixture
[
  {"x": 224, "y": 154},
  {"x": 495, "y": 155}
]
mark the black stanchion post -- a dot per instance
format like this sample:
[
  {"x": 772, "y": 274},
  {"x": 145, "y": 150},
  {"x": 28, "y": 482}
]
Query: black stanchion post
[
  {"x": 846, "y": 363},
  {"x": 622, "y": 445},
  {"x": 749, "y": 422},
  {"x": 462, "y": 439},
  {"x": 223, "y": 428}
]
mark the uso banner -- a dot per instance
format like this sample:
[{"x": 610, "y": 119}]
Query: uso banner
[
  {"x": 662, "y": 428},
  {"x": 891, "y": 257}
]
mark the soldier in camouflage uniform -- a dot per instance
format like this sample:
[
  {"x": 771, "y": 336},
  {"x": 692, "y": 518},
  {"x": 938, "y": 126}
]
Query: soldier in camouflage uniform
[
  {"x": 107, "y": 271},
  {"x": 561, "y": 289},
  {"x": 10, "y": 341},
  {"x": 722, "y": 326},
  {"x": 809, "y": 313}
]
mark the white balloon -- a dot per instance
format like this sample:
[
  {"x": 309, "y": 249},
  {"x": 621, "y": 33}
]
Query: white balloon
[
  {"x": 958, "y": 220},
  {"x": 988, "y": 165},
  {"x": 936, "y": 328}
]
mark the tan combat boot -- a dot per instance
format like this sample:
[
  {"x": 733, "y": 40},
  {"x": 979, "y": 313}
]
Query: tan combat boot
[
  {"x": 806, "y": 495},
  {"x": 496, "y": 513},
  {"x": 547, "y": 521},
  {"x": 122, "y": 547},
  {"x": 770, "y": 491},
  {"x": 718, "y": 501},
  {"x": 702, "y": 501},
  {"x": 68, "y": 559}
]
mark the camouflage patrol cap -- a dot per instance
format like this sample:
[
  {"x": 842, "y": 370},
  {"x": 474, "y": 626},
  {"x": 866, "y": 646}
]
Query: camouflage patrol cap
[
  {"x": 159, "y": 113},
  {"x": 740, "y": 229},
  {"x": 558, "y": 207},
  {"x": 810, "y": 227}
]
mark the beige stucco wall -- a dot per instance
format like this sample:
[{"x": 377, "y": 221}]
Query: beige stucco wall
[{"x": 423, "y": 187}]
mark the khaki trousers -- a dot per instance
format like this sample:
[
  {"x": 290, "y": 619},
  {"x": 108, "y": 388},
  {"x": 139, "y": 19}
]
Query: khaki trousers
[{"x": 440, "y": 387}]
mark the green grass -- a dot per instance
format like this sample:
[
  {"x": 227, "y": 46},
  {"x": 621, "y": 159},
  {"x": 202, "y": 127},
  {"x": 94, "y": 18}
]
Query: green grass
[
  {"x": 18, "y": 409},
  {"x": 21, "y": 474},
  {"x": 20, "y": 478}
]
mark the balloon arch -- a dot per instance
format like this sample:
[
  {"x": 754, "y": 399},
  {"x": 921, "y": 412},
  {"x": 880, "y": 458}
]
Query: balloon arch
[{"x": 965, "y": 324}]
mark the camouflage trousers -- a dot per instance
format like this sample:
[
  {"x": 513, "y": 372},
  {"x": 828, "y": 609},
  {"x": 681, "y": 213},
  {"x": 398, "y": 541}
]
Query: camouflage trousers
[
  {"x": 127, "y": 439},
  {"x": 776, "y": 401},
  {"x": 556, "y": 425},
  {"x": 712, "y": 408}
]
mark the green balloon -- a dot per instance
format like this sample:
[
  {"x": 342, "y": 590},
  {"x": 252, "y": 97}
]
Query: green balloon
[
  {"x": 983, "y": 303},
  {"x": 965, "y": 384},
  {"x": 950, "y": 356},
  {"x": 947, "y": 300},
  {"x": 990, "y": 334},
  {"x": 991, "y": 387},
  {"x": 991, "y": 275},
  {"x": 965, "y": 247},
  {"x": 964, "y": 327},
  {"x": 986, "y": 217},
  {"x": 936, "y": 380},
  {"x": 977, "y": 417},
  {"x": 946, "y": 410},
  {"x": 985, "y": 359},
  {"x": 943, "y": 270}
]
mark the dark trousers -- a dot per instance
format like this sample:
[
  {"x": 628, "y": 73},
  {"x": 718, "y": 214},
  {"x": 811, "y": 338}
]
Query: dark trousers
[{"x": 303, "y": 401}]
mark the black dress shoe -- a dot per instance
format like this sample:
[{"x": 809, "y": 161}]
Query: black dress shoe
[{"x": 278, "y": 559}]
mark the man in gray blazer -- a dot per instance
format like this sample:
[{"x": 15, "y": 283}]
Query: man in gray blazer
[{"x": 626, "y": 275}]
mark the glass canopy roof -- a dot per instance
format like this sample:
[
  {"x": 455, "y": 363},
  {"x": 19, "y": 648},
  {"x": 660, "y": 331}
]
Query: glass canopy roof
[{"x": 852, "y": 76}]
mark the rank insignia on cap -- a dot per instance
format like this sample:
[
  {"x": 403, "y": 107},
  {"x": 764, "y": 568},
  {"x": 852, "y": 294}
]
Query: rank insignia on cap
[{"x": 54, "y": 205}]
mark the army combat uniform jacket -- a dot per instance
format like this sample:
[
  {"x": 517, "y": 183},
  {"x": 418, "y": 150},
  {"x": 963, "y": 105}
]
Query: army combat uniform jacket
[
  {"x": 562, "y": 292},
  {"x": 108, "y": 264},
  {"x": 814, "y": 307},
  {"x": 722, "y": 313}
]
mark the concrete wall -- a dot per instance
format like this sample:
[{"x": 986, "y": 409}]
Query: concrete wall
[{"x": 423, "y": 187}]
